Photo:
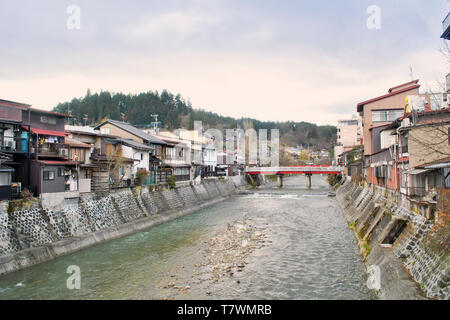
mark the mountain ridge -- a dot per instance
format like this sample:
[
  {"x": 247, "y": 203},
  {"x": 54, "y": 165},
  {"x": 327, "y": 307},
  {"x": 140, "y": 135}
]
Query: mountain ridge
[{"x": 175, "y": 112}]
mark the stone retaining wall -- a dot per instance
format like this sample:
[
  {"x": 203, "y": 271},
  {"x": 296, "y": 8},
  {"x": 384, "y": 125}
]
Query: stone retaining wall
[
  {"x": 39, "y": 233},
  {"x": 411, "y": 252}
]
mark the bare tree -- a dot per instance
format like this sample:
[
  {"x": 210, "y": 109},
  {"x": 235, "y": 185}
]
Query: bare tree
[
  {"x": 115, "y": 160},
  {"x": 445, "y": 50},
  {"x": 433, "y": 137}
]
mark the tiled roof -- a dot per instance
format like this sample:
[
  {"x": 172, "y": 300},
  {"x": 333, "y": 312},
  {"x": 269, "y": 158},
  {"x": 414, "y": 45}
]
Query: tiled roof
[
  {"x": 132, "y": 143},
  {"x": 134, "y": 131}
]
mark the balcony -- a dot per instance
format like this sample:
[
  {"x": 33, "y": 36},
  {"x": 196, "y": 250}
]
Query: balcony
[
  {"x": 416, "y": 191},
  {"x": 446, "y": 27},
  {"x": 58, "y": 150},
  {"x": 14, "y": 145}
]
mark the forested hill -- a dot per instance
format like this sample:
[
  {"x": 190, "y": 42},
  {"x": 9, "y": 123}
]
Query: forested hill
[{"x": 175, "y": 112}]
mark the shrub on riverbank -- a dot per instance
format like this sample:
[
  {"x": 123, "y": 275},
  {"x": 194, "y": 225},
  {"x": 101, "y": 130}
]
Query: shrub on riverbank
[
  {"x": 334, "y": 179},
  {"x": 271, "y": 177},
  {"x": 172, "y": 182}
]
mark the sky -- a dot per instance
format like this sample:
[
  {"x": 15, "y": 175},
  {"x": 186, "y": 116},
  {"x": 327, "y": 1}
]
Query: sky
[{"x": 281, "y": 60}]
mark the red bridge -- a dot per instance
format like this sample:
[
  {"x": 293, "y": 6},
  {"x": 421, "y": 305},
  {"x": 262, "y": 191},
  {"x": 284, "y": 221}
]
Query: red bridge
[
  {"x": 308, "y": 170},
  {"x": 295, "y": 170}
]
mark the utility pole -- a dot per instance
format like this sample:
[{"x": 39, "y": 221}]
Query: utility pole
[{"x": 155, "y": 123}]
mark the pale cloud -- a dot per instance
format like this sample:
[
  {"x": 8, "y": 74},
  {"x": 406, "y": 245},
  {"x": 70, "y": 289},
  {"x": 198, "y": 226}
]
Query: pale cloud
[
  {"x": 171, "y": 24},
  {"x": 271, "y": 61},
  {"x": 264, "y": 87}
]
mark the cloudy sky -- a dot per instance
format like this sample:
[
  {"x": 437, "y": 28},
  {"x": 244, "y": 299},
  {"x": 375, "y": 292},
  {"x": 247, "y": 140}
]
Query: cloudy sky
[{"x": 271, "y": 60}]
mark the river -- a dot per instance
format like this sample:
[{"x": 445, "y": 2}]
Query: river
[{"x": 270, "y": 243}]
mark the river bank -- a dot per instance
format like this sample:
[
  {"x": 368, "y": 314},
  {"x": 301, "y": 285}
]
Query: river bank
[
  {"x": 408, "y": 253},
  {"x": 266, "y": 243},
  {"x": 35, "y": 234}
]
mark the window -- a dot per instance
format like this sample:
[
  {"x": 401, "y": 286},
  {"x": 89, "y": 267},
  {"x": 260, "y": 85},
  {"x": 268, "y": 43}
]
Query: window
[
  {"x": 60, "y": 172},
  {"x": 49, "y": 120},
  {"x": 386, "y": 115},
  {"x": 49, "y": 175},
  {"x": 380, "y": 171},
  {"x": 142, "y": 156},
  {"x": 104, "y": 130}
]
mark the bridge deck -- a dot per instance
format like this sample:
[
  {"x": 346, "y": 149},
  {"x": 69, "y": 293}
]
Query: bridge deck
[{"x": 295, "y": 170}]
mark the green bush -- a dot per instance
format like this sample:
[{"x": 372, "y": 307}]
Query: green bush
[
  {"x": 271, "y": 177},
  {"x": 142, "y": 175},
  {"x": 334, "y": 179},
  {"x": 172, "y": 182}
]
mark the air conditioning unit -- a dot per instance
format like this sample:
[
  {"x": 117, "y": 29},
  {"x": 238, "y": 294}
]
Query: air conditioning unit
[
  {"x": 63, "y": 152},
  {"x": 406, "y": 122},
  {"x": 416, "y": 103}
]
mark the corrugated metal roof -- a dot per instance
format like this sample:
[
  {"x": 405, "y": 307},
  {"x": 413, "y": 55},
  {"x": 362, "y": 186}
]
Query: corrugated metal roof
[
  {"x": 76, "y": 143},
  {"x": 417, "y": 171},
  {"x": 439, "y": 165}
]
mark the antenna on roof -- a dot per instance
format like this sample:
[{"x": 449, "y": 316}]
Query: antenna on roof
[
  {"x": 155, "y": 123},
  {"x": 411, "y": 74}
]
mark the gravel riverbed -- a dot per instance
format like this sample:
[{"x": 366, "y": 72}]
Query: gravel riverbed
[{"x": 220, "y": 259}]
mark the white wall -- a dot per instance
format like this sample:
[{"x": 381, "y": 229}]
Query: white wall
[
  {"x": 387, "y": 139},
  {"x": 347, "y": 134},
  {"x": 210, "y": 156},
  {"x": 129, "y": 152}
]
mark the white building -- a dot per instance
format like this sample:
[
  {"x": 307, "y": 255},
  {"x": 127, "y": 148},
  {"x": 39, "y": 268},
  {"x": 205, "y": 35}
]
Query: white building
[
  {"x": 209, "y": 156},
  {"x": 140, "y": 155},
  {"x": 347, "y": 132}
]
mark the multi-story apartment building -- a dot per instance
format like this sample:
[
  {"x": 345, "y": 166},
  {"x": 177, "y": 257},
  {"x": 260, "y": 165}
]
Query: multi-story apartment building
[
  {"x": 347, "y": 132},
  {"x": 376, "y": 114}
]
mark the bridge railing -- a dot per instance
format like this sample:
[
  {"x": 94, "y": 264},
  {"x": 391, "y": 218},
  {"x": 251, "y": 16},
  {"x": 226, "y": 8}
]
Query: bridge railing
[{"x": 294, "y": 169}]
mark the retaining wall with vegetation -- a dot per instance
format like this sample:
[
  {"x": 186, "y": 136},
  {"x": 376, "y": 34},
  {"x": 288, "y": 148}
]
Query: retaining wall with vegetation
[
  {"x": 411, "y": 252},
  {"x": 31, "y": 233}
]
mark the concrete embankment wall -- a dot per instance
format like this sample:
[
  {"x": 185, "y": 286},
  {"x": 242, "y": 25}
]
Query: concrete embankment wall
[
  {"x": 38, "y": 233},
  {"x": 411, "y": 252}
]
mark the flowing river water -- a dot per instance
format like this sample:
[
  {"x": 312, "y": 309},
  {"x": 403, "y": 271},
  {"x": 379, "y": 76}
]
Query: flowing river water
[{"x": 269, "y": 243}]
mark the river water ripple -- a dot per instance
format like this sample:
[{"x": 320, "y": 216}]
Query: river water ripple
[{"x": 302, "y": 249}]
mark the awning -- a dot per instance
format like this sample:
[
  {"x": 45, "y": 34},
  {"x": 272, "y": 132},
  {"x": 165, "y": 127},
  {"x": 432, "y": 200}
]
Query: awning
[
  {"x": 154, "y": 159},
  {"x": 177, "y": 165},
  {"x": 378, "y": 164},
  {"x": 49, "y": 132},
  {"x": 418, "y": 171},
  {"x": 6, "y": 169},
  {"x": 88, "y": 165},
  {"x": 60, "y": 163},
  {"x": 439, "y": 166}
]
